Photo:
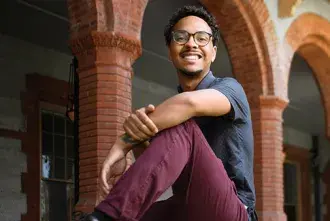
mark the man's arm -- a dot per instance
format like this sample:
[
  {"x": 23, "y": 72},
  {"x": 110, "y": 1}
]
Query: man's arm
[{"x": 181, "y": 107}]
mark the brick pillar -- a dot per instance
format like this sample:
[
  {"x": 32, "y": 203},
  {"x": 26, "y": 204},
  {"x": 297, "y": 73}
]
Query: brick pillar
[
  {"x": 104, "y": 67},
  {"x": 269, "y": 157}
]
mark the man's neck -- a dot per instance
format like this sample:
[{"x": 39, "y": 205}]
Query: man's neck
[{"x": 190, "y": 83}]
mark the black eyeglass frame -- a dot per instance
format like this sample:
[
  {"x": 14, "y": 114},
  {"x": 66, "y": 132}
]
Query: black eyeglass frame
[{"x": 194, "y": 34}]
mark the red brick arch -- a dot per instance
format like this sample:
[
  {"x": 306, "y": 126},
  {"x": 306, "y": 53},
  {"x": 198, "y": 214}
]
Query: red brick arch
[
  {"x": 309, "y": 35},
  {"x": 251, "y": 41}
]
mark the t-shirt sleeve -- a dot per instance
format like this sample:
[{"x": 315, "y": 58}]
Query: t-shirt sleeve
[{"x": 236, "y": 96}]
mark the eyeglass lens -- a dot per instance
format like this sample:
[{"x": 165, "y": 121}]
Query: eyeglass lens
[{"x": 201, "y": 38}]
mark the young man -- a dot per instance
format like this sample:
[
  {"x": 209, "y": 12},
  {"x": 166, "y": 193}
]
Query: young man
[{"x": 201, "y": 141}]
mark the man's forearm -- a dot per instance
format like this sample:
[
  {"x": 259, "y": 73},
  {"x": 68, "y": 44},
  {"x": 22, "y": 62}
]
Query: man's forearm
[{"x": 173, "y": 111}]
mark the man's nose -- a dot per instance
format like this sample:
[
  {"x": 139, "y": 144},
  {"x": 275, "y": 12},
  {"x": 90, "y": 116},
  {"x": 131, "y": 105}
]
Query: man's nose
[{"x": 191, "y": 42}]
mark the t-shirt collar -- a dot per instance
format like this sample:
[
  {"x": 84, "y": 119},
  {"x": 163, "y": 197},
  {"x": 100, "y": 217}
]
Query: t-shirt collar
[{"x": 205, "y": 83}]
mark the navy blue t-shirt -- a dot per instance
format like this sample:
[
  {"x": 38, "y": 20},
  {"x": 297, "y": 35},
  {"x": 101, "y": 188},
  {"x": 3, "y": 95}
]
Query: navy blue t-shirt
[{"x": 231, "y": 136}]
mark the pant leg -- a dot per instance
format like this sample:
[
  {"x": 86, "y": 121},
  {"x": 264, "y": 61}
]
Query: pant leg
[
  {"x": 210, "y": 195},
  {"x": 152, "y": 173},
  {"x": 166, "y": 210}
]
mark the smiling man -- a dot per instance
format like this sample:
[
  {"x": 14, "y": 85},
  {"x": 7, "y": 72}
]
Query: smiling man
[{"x": 201, "y": 141}]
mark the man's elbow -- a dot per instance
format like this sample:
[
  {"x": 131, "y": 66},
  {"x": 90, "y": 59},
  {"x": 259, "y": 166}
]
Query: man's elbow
[{"x": 192, "y": 104}]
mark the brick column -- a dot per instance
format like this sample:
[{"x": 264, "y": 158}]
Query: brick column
[
  {"x": 269, "y": 157},
  {"x": 104, "y": 67}
]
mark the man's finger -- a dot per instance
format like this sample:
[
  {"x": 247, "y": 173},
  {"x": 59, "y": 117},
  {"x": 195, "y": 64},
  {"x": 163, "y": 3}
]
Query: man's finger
[
  {"x": 143, "y": 129},
  {"x": 137, "y": 127},
  {"x": 149, "y": 109},
  {"x": 143, "y": 117},
  {"x": 104, "y": 179},
  {"x": 127, "y": 128}
]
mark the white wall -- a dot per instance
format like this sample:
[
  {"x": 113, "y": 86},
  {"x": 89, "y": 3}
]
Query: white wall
[
  {"x": 297, "y": 138},
  {"x": 320, "y": 7}
]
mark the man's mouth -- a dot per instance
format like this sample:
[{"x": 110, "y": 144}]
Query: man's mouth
[{"x": 190, "y": 57}]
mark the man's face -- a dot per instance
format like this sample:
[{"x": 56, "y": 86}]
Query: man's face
[{"x": 190, "y": 58}]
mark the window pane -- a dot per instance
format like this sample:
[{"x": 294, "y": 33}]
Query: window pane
[
  {"x": 47, "y": 122},
  {"x": 70, "y": 148},
  {"x": 47, "y": 166},
  {"x": 59, "y": 124},
  {"x": 59, "y": 146},
  {"x": 47, "y": 144},
  {"x": 59, "y": 168},
  {"x": 70, "y": 170},
  {"x": 290, "y": 184},
  {"x": 54, "y": 203},
  {"x": 69, "y": 128}
]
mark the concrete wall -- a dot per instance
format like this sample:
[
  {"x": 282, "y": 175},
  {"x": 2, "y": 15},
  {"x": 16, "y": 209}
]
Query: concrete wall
[
  {"x": 320, "y": 7},
  {"x": 12, "y": 164}
]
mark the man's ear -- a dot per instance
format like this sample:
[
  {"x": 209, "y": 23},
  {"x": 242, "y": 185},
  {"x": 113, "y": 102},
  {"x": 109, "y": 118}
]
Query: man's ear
[{"x": 214, "y": 53}]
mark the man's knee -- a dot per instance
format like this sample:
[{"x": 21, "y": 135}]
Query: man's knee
[{"x": 182, "y": 131}]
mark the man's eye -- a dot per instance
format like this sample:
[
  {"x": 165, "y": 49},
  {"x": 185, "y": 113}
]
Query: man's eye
[{"x": 180, "y": 38}]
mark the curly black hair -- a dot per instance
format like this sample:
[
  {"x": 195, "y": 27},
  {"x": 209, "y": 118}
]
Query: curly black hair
[{"x": 192, "y": 10}]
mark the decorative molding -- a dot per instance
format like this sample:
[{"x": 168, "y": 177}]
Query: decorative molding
[
  {"x": 105, "y": 39},
  {"x": 287, "y": 8},
  {"x": 273, "y": 101}
]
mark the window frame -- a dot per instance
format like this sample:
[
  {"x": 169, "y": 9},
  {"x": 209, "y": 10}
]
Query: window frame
[
  {"x": 301, "y": 157},
  {"x": 298, "y": 191},
  {"x": 54, "y": 109},
  {"x": 38, "y": 89}
]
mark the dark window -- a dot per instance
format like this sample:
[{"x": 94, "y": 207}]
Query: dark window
[
  {"x": 291, "y": 191},
  {"x": 57, "y": 167}
]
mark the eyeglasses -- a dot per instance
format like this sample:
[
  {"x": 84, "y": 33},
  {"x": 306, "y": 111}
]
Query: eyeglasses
[{"x": 201, "y": 38}]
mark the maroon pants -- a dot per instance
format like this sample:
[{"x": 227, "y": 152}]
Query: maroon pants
[{"x": 179, "y": 156}]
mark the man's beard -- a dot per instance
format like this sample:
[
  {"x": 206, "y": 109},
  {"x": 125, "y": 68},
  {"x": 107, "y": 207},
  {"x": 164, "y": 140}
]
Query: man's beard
[{"x": 190, "y": 73}]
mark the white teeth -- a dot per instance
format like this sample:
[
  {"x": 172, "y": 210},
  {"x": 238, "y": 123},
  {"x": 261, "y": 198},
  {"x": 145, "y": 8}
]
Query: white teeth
[{"x": 191, "y": 57}]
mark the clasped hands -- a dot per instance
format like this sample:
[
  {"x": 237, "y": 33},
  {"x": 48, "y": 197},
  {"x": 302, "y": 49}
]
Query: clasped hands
[{"x": 137, "y": 126}]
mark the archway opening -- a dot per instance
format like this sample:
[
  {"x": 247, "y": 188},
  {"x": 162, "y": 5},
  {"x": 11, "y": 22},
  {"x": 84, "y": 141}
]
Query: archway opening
[{"x": 305, "y": 130}]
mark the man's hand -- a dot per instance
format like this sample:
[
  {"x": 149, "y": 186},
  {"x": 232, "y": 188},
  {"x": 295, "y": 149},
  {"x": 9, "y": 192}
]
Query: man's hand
[
  {"x": 139, "y": 126},
  {"x": 113, "y": 167}
]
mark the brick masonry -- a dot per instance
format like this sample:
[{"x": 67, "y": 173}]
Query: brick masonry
[{"x": 105, "y": 70}]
